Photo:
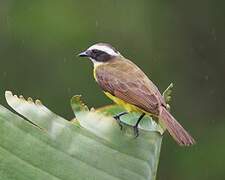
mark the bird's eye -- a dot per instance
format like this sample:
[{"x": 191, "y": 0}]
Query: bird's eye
[{"x": 95, "y": 51}]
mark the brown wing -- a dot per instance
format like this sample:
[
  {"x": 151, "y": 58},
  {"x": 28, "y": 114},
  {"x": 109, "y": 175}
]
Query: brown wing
[{"x": 126, "y": 81}]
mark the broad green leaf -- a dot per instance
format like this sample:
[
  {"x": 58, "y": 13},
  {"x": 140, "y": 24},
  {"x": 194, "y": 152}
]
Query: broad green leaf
[
  {"x": 167, "y": 95},
  {"x": 43, "y": 145}
]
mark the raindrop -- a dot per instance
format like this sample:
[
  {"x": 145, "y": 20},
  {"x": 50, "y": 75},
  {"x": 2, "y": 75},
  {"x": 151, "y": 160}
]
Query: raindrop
[
  {"x": 213, "y": 32},
  {"x": 69, "y": 90},
  {"x": 4, "y": 74},
  {"x": 206, "y": 77},
  {"x": 96, "y": 23}
]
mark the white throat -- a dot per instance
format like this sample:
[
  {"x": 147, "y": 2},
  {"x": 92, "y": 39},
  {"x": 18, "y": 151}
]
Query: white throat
[{"x": 96, "y": 63}]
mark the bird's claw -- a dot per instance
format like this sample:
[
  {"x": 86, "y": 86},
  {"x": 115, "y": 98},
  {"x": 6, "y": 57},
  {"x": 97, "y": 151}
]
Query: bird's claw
[
  {"x": 136, "y": 131},
  {"x": 135, "y": 127},
  {"x": 117, "y": 118}
]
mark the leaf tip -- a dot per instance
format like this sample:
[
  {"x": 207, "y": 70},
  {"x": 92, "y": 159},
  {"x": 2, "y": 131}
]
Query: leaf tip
[
  {"x": 30, "y": 100},
  {"x": 8, "y": 93},
  {"x": 77, "y": 104},
  {"x": 76, "y": 98},
  {"x": 92, "y": 109},
  {"x": 38, "y": 102},
  {"x": 21, "y": 97}
]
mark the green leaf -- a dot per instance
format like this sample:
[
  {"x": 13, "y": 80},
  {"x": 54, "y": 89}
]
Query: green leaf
[
  {"x": 167, "y": 94},
  {"x": 43, "y": 145}
]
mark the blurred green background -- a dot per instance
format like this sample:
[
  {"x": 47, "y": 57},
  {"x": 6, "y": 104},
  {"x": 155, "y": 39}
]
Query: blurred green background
[{"x": 172, "y": 41}]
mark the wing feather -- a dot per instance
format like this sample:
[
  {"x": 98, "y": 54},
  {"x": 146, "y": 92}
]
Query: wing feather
[{"x": 126, "y": 81}]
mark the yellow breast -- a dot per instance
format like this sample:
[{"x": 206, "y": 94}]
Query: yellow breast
[
  {"x": 127, "y": 106},
  {"x": 94, "y": 70}
]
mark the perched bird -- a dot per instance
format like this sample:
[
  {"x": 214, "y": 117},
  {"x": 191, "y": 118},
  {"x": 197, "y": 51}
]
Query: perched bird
[{"x": 127, "y": 85}]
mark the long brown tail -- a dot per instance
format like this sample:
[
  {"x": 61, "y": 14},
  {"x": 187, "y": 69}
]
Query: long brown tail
[{"x": 179, "y": 134}]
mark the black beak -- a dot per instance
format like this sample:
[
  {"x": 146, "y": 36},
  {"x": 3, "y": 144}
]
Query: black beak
[{"x": 83, "y": 54}]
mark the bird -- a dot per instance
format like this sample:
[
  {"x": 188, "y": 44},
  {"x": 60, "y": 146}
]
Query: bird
[{"x": 128, "y": 86}]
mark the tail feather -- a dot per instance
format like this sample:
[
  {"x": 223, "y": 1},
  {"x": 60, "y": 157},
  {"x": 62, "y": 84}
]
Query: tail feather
[{"x": 179, "y": 134}]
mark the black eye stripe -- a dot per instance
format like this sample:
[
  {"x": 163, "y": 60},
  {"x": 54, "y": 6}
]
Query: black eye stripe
[
  {"x": 99, "y": 55},
  {"x": 96, "y": 51}
]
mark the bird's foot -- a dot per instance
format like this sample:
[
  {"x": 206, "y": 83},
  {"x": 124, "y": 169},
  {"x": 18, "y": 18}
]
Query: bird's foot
[
  {"x": 118, "y": 121},
  {"x": 135, "y": 127},
  {"x": 117, "y": 118},
  {"x": 136, "y": 131}
]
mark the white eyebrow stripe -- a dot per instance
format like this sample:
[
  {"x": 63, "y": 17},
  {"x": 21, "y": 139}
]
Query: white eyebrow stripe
[{"x": 106, "y": 49}]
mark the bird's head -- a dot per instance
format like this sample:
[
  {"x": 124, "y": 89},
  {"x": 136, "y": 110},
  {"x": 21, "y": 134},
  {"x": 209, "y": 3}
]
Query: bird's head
[{"x": 100, "y": 53}]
